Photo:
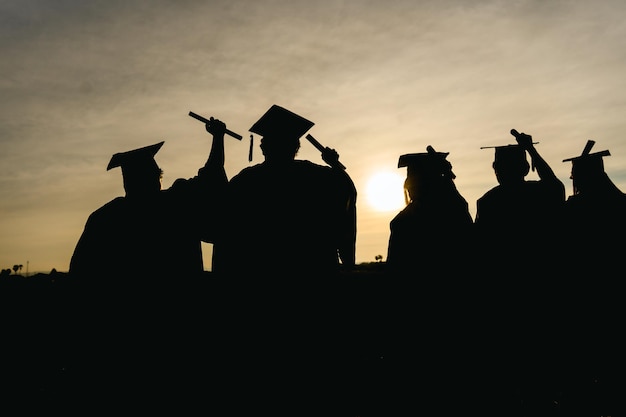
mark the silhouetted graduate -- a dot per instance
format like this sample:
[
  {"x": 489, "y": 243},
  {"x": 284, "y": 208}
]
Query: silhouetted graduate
[
  {"x": 430, "y": 234},
  {"x": 595, "y": 218},
  {"x": 152, "y": 233},
  {"x": 592, "y": 187},
  {"x": 287, "y": 215},
  {"x": 518, "y": 226},
  {"x": 518, "y": 219},
  {"x": 137, "y": 266},
  {"x": 595, "y": 214},
  {"x": 431, "y": 315},
  {"x": 288, "y": 228}
]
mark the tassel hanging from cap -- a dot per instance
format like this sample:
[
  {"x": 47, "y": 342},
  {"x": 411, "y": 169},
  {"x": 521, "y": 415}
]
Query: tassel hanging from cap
[{"x": 250, "y": 150}]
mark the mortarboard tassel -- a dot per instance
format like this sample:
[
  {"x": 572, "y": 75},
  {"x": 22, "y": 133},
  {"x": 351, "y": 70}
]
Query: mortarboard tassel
[{"x": 250, "y": 150}]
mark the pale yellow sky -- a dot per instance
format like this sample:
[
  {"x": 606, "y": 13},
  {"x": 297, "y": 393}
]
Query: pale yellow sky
[{"x": 83, "y": 80}]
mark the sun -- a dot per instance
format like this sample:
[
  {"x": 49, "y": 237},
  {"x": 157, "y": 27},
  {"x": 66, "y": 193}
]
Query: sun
[{"x": 385, "y": 191}]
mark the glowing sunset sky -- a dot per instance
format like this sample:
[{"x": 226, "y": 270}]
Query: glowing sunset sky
[{"x": 82, "y": 80}]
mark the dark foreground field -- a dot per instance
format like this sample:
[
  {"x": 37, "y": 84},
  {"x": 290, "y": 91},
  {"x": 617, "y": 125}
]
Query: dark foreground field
[{"x": 362, "y": 343}]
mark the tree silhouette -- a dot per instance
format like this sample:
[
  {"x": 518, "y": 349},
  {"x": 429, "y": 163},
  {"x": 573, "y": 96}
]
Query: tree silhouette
[{"x": 379, "y": 258}]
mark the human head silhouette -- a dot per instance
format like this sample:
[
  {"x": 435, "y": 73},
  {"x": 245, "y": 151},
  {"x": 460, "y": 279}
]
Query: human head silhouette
[
  {"x": 140, "y": 172},
  {"x": 510, "y": 164},
  {"x": 587, "y": 172},
  {"x": 426, "y": 172},
  {"x": 281, "y": 131}
]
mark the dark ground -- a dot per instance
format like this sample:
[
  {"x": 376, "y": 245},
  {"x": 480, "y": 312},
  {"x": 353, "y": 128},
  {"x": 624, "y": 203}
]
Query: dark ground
[{"x": 359, "y": 344}]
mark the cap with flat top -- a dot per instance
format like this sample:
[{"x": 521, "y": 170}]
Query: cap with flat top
[
  {"x": 508, "y": 153},
  {"x": 281, "y": 123},
  {"x": 136, "y": 158},
  {"x": 512, "y": 154},
  {"x": 587, "y": 160},
  {"x": 431, "y": 162}
]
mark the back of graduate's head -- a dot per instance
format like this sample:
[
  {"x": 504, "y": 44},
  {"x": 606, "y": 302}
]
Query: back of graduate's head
[
  {"x": 587, "y": 173},
  {"x": 426, "y": 172},
  {"x": 510, "y": 164},
  {"x": 140, "y": 172},
  {"x": 281, "y": 131},
  {"x": 275, "y": 147}
]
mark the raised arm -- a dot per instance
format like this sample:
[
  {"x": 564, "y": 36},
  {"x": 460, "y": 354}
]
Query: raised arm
[
  {"x": 543, "y": 169},
  {"x": 217, "y": 128}
]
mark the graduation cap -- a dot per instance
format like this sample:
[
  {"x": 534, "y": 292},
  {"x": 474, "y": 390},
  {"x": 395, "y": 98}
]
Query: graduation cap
[
  {"x": 512, "y": 154},
  {"x": 281, "y": 123},
  {"x": 429, "y": 163},
  {"x": 135, "y": 160},
  {"x": 589, "y": 161},
  {"x": 508, "y": 153}
]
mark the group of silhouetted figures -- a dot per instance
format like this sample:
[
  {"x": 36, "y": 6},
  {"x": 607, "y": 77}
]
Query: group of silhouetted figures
[
  {"x": 512, "y": 313},
  {"x": 277, "y": 217}
]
